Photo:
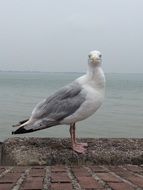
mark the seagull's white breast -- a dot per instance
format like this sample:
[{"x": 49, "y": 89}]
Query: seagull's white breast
[{"x": 94, "y": 96}]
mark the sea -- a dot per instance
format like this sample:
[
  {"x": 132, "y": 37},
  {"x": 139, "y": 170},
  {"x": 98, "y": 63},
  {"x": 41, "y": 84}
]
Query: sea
[{"x": 121, "y": 114}]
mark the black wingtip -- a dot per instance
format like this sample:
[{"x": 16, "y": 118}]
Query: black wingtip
[
  {"x": 20, "y": 123},
  {"x": 15, "y": 125},
  {"x": 21, "y": 130}
]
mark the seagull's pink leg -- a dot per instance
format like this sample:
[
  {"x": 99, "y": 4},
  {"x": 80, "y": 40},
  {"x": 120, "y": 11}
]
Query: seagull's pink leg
[
  {"x": 77, "y": 143},
  {"x": 76, "y": 146}
]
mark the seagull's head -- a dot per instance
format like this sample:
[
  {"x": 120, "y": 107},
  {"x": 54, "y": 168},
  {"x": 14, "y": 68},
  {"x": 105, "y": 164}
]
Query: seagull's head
[{"x": 94, "y": 58}]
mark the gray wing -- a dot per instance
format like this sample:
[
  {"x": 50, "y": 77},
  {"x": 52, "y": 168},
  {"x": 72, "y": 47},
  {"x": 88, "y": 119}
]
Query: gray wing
[{"x": 61, "y": 104}]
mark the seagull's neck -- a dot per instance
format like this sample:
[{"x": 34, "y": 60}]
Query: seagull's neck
[
  {"x": 95, "y": 76},
  {"x": 92, "y": 72}
]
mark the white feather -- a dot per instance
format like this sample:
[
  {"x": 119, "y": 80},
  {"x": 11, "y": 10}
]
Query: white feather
[{"x": 93, "y": 86}]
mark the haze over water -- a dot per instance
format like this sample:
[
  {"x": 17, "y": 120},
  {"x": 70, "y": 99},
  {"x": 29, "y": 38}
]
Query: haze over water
[{"x": 120, "y": 116}]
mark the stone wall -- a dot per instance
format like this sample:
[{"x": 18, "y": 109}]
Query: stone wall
[
  {"x": 1, "y": 152},
  {"x": 52, "y": 151}
]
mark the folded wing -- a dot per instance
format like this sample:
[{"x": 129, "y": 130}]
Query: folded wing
[{"x": 54, "y": 109}]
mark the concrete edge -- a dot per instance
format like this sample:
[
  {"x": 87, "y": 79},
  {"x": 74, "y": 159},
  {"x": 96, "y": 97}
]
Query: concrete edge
[{"x": 53, "y": 151}]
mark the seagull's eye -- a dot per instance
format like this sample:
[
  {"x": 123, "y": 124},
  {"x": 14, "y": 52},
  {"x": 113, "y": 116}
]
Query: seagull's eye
[
  {"x": 100, "y": 55},
  {"x": 89, "y": 56}
]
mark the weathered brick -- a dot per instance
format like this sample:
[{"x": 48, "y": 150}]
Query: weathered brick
[
  {"x": 88, "y": 183},
  {"x": 58, "y": 169},
  {"x": 108, "y": 177},
  {"x": 10, "y": 178},
  {"x": 6, "y": 186},
  {"x": 98, "y": 169},
  {"x": 137, "y": 180},
  {"x": 61, "y": 186},
  {"x": 134, "y": 168},
  {"x": 121, "y": 171},
  {"x": 18, "y": 169},
  {"x": 115, "y": 168},
  {"x": 37, "y": 172},
  {"x": 60, "y": 177},
  {"x": 33, "y": 183},
  {"x": 120, "y": 186},
  {"x": 80, "y": 172},
  {"x": 61, "y": 181}
]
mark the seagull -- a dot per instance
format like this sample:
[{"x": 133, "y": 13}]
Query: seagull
[{"x": 70, "y": 104}]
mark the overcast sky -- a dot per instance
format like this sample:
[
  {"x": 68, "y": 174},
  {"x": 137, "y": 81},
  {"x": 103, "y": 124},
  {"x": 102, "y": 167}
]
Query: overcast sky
[{"x": 56, "y": 35}]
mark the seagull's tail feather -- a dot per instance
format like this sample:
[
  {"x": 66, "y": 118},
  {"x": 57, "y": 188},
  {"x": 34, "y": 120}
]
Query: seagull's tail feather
[{"x": 35, "y": 126}]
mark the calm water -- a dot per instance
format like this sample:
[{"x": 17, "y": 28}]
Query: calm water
[{"x": 120, "y": 116}]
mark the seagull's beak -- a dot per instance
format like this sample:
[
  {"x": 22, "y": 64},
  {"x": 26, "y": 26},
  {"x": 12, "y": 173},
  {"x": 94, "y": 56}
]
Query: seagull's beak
[{"x": 95, "y": 60}]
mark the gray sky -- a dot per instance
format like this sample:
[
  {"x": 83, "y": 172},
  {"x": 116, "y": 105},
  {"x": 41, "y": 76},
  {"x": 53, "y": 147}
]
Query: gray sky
[{"x": 56, "y": 35}]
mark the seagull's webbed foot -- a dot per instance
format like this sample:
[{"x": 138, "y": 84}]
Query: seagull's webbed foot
[
  {"x": 78, "y": 148},
  {"x": 82, "y": 144}
]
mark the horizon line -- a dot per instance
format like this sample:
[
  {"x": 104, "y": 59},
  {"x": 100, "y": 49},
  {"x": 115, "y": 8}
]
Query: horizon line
[{"x": 26, "y": 71}]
